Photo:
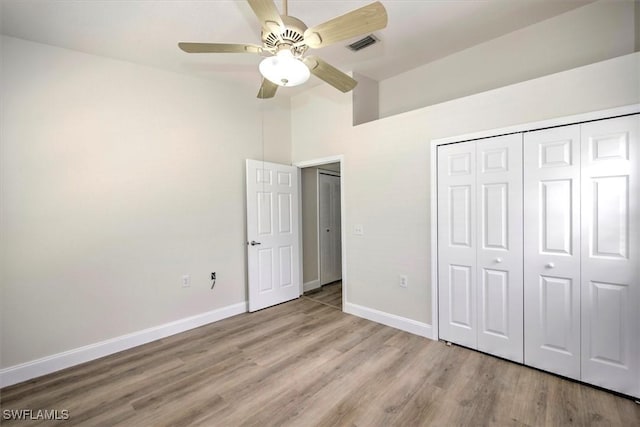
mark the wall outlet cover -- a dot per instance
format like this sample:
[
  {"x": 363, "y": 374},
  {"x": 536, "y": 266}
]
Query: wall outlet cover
[{"x": 403, "y": 281}]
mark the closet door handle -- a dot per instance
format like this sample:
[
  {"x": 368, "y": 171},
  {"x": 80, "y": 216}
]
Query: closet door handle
[
  {"x": 498, "y": 260},
  {"x": 550, "y": 265},
  {"x": 253, "y": 243}
]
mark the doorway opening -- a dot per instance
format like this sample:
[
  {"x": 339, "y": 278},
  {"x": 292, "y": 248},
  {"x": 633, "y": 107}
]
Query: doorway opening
[{"x": 322, "y": 240}]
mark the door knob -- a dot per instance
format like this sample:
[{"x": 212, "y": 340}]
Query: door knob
[
  {"x": 498, "y": 260},
  {"x": 253, "y": 243},
  {"x": 550, "y": 265}
]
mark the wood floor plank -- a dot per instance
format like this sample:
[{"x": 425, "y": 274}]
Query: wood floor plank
[
  {"x": 330, "y": 295},
  {"x": 305, "y": 363},
  {"x": 533, "y": 402},
  {"x": 323, "y": 389},
  {"x": 382, "y": 390},
  {"x": 308, "y": 381},
  {"x": 386, "y": 407}
]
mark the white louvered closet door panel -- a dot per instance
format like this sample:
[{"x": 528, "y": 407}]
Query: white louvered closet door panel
[
  {"x": 552, "y": 250},
  {"x": 499, "y": 243},
  {"x": 457, "y": 243},
  {"x": 610, "y": 254}
]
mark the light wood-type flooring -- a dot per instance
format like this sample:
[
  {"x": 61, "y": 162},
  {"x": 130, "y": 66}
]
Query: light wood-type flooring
[
  {"x": 330, "y": 294},
  {"x": 304, "y": 363}
]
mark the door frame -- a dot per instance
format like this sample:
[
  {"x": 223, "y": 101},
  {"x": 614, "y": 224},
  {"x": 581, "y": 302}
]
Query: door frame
[
  {"x": 343, "y": 241},
  {"x": 519, "y": 128}
]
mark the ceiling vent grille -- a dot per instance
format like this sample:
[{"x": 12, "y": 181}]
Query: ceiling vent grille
[{"x": 363, "y": 43}]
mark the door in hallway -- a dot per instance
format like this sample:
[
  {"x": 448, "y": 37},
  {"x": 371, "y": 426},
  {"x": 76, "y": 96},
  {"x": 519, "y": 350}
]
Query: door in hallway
[{"x": 329, "y": 227}]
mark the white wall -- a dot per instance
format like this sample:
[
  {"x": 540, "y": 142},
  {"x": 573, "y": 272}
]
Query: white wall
[
  {"x": 116, "y": 179},
  {"x": 592, "y": 33},
  {"x": 386, "y": 167}
]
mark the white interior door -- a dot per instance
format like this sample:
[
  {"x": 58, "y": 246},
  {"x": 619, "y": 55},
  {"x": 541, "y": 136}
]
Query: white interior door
[
  {"x": 610, "y": 257},
  {"x": 552, "y": 250},
  {"x": 272, "y": 234},
  {"x": 457, "y": 243},
  {"x": 499, "y": 254},
  {"x": 329, "y": 227}
]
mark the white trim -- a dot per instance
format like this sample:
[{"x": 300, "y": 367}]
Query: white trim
[
  {"x": 434, "y": 240},
  {"x": 343, "y": 231},
  {"x": 319, "y": 267},
  {"x": 300, "y": 231},
  {"x": 46, "y": 365},
  {"x": 314, "y": 284},
  {"x": 560, "y": 121},
  {"x": 320, "y": 161},
  {"x": 343, "y": 215},
  {"x": 525, "y": 127},
  {"x": 398, "y": 322}
]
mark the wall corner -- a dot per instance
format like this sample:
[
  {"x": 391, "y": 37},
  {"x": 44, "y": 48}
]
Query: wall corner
[{"x": 365, "y": 100}]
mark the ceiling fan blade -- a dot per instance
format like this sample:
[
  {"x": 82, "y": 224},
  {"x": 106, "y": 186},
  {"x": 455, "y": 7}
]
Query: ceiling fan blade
[
  {"x": 364, "y": 20},
  {"x": 329, "y": 74},
  {"x": 219, "y": 48},
  {"x": 267, "y": 13},
  {"x": 267, "y": 90}
]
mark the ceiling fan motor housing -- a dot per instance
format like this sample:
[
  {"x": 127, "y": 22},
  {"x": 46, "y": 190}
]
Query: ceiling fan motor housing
[{"x": 292, "y": 34}]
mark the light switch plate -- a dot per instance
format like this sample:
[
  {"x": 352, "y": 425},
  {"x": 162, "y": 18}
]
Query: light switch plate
[{"x": 186, "y": 280}]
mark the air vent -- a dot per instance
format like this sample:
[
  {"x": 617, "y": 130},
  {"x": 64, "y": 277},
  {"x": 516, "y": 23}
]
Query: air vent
[{"x": 362, "y": 43}]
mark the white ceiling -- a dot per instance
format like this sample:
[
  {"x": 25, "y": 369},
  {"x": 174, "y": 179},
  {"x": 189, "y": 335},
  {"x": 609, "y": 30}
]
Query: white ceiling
[{"x": 147, "y": 31}]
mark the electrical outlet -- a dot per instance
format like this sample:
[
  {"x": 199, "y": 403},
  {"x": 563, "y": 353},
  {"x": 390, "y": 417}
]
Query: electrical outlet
[
  {"x": 403, "y": 281},
  {"x": 358, "y": 230},
  {"x": 186, "y": 280}
]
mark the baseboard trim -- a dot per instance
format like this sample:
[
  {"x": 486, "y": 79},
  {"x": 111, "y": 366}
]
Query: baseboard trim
[
  {"x": 46, "y": 365},
  {"x": 398, "y": 322},
  {"x": 309, "y": 286}
]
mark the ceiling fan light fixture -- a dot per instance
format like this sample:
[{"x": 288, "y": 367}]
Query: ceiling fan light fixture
[{"x": 284, "y": 69}]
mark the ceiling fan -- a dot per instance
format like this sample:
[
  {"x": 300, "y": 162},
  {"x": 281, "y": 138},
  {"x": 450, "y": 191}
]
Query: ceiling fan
[{"x": 286, "y": 39}]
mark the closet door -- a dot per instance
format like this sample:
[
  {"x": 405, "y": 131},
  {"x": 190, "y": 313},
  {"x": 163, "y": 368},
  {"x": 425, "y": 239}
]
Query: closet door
[
  {"x": 610, "y": 254},
  {"x": 457, "y": 243},
  {"x": 552, "y": 250},
  {"x": 499, "y": 253},
  {"x": 329, "y": 228}
]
